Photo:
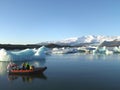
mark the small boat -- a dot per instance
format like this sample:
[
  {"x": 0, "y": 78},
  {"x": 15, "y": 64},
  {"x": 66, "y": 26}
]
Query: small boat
[{"x": 28, "y": 72}]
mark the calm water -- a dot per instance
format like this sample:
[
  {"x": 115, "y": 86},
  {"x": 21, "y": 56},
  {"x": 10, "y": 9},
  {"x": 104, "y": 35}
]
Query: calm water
[{"x": 68, "y": 72}]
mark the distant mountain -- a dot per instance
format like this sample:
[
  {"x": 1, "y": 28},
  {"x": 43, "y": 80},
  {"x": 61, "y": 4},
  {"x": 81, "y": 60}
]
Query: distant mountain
[
  {"x": 111, "y": 43},
  {"x": 76, "y": 41}
]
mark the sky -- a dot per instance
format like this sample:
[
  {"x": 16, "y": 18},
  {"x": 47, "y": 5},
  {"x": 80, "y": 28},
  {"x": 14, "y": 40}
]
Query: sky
[{"x": 34, "y": 21}]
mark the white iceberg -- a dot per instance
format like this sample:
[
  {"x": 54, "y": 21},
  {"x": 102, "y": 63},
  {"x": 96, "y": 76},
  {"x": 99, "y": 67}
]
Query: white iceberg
[{"x": 21, "y": 55}]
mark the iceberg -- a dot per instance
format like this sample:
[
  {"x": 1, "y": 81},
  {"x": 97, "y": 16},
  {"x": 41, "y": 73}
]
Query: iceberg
[
  {"x": 102, "y": 50},
  {"x": 21, "y": 55},
  {"x": 116, "y": 49},
  {"x": 64, "y": 50}
]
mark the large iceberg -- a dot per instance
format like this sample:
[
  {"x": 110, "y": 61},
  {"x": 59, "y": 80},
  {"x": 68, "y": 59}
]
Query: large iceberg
[{"x": 21, "y": 55}]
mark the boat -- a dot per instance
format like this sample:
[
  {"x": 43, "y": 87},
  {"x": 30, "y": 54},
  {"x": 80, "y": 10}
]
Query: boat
[{"x": 37, "y": 70}]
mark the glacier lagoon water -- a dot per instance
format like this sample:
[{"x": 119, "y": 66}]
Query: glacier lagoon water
[{"x": 68, "y": 72}]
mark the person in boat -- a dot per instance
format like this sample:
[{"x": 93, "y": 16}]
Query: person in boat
[
  {"x": 23, "y": 66},
  {"x": 12, "y": 66},
  {"x": 31, "y": 67},
  {"x": 27, "y": 66}
]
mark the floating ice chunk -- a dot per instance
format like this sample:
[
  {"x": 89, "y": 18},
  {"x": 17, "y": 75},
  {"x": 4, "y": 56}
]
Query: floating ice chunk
[{"x": 26, "y": 54}]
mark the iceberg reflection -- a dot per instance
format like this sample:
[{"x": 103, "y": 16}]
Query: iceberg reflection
[{"x": 3, "y": 69}]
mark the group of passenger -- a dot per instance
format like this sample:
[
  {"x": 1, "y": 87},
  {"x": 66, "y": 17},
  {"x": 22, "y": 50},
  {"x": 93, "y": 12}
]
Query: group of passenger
[{"x": 26, "y": 66}]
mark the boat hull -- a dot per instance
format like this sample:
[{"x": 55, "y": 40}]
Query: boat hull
[{"x": 24, "y": 72}]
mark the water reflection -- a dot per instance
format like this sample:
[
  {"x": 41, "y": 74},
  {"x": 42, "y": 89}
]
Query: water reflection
[
  {"x": 36, "y": 63},
  {"x": 27, "y": 78},
  {"x": 100, "y": 57},
  {"x": 3, "y": 68}
]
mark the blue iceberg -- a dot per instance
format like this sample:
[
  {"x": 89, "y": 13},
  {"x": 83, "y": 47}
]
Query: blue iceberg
[{"x": 21, "y": 55}]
